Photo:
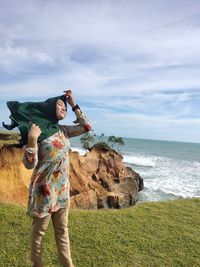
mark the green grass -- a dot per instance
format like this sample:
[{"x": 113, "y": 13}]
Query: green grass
[
  {"x": 13, "y": 136},
  {"x": 8, "y": 142},
  {"x": 149, "y": 234}
]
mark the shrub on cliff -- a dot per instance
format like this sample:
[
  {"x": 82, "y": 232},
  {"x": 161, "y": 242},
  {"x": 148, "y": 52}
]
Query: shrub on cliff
[
  {"x": 101, "y": 146},
  {"x": 88, "y": 140}
]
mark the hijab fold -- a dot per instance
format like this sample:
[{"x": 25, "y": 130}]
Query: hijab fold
[{"x": 43, "y": 114}]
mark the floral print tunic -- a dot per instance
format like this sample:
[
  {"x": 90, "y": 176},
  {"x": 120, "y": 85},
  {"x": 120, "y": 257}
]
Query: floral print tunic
[{"x": 49, "y": 185}]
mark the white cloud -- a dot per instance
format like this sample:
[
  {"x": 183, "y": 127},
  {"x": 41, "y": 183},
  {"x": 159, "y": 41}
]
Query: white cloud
[
  {"x": 111, "y": 53},
  {"x": 16, "y": 59}
]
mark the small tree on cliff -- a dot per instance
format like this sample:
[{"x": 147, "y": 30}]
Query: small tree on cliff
[
  {"x": 113, "y": 140},
  {"x": 120, "y": 142},
  {"x": 86, "y": 139},
  {"x": 101, "y": 137}
]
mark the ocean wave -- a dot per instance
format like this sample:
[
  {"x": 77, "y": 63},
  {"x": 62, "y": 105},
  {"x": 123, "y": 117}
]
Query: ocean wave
[
  {"x": 140, "y": 160},
  {"x": 167, "y": 178},
  {"x": 196, "y": 163},
  {"x": 81, "y": 151},
  {"x": 157, "y": 195},
  {"x": 172, "y": 178}
]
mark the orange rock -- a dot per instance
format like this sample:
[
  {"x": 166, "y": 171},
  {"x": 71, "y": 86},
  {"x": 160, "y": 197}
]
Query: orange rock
[{"x": 99, "y": 179}]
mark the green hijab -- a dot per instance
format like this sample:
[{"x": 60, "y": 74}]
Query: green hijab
[{"x": 43, "y": 114}]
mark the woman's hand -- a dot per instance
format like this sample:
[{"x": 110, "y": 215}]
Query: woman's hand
[
  {"x": 70, "y": 98},
  {"x": 33, "y": 135}
]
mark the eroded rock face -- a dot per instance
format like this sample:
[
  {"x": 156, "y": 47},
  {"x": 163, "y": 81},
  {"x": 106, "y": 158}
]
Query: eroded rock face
[
  {"x": 101, "y": 180},
  {"x": 14, "y": 177},
  {"x": 98, "y": 180}
]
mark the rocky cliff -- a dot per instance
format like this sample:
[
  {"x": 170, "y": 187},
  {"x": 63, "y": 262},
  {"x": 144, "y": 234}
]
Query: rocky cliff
[{"x": 98, "y": 180}]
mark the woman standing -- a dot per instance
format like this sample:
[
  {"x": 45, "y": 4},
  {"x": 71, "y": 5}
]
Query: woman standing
[{"x": 47, "y": 152}]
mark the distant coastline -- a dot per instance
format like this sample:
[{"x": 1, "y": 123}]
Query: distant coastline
[{"x": 135, "y": 138}]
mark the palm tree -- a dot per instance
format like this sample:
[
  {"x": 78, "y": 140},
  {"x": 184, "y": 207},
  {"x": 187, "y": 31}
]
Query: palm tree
[
  {"x": 120, "y": 142},
  {"x": 112, "y": 140},
  {"x": 101, "y": 137}
]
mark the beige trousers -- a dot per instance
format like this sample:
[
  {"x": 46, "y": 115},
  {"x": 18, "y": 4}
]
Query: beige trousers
[{"x": 60, "y": 225}]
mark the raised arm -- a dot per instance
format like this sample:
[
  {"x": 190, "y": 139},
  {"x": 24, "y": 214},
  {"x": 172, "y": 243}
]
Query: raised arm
[
  {"x": 82, "y": 122},
  {"x": 30, "y": 158}
]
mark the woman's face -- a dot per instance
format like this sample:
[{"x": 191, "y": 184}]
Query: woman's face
[{"x": 60, "y": 109}]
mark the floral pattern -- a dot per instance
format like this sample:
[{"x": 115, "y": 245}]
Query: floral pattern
[{"x": 49, "y": 185}]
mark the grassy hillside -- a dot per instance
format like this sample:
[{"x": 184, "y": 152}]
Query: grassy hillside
[{"x": 150, "y": 234}]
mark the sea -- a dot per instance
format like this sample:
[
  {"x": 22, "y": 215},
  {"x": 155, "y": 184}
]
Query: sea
[{"x": 170, "y": 170}]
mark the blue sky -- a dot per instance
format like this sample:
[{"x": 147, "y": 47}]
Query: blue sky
[{"x": 133, "y": 65}]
